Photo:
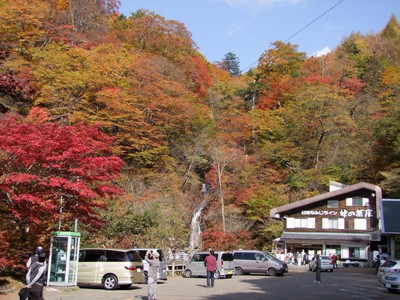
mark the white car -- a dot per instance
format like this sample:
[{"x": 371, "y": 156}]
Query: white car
[
  {"x": 386, "y": 267},
  {"x": 326, "y": 263},
  {"x": 391, "y": 280}
]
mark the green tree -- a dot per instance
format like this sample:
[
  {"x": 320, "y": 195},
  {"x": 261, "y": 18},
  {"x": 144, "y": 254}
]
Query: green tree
[{"x": 231, "y": 63}]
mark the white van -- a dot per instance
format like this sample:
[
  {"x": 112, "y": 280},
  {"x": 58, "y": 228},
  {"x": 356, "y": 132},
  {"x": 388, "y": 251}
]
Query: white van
[
  {"x": 110, "y": 268},
  {"x": 163, "y": 264},
  {"x": 196, "y": 267}
]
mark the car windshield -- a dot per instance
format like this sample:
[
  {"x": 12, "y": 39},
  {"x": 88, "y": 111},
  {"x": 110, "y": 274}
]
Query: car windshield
[
  {"x": 134, "y": 256},
  {"x": 270, "y": 256},
  {"x": 389, "y": 264}
]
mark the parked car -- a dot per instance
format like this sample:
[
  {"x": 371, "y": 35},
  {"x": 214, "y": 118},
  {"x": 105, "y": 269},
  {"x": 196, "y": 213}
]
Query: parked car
[
  {"x": 163, "y": 264},
  {"x": 110, "y": 268},
  {"x": 350, "y": 263},
  {"x": 391, "y": 280},
  {"x": 256, "y": 261},
  {"x": 326, "y": 263},
  {"x": 386, "y": 266},
  {"x": 196, "y": 267}
]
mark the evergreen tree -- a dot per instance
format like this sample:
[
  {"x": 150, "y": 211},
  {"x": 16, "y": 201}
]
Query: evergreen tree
[{"x": 231, "y": 62}]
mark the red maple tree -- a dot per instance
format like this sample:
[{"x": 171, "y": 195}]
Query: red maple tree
[{"x": 46, "y": 169}]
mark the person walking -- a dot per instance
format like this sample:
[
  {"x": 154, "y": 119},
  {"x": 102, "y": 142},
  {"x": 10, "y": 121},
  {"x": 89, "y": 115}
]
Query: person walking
[
  {"x": 35, "y": 278},
  {"x": 154, "y": 264},
  {"x": 317, "y": 269},
  {"x": 211, "y": 266},
  {"x": 34, "y": 257}
]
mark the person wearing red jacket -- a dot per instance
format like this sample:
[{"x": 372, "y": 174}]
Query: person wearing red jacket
[{"x": 211, "y": 266}]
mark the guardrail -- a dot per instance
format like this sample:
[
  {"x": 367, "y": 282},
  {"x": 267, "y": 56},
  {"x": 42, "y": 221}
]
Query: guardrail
[{"x": 175, "y": 268}]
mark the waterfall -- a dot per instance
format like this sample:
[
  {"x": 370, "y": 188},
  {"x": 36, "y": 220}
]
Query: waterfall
[{"x": 195, "y": 226}]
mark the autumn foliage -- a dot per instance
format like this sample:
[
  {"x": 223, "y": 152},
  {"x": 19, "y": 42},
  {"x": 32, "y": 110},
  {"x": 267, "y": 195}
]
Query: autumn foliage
[
  {"x": 46, "y": 168},
  {"x": 216, "y": 239}
]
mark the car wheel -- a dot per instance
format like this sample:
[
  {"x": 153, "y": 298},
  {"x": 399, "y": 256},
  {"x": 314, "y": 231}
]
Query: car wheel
[
  {"x": 228, "y": 276},
  {"x": 125, "y": 286},
  {"x": 188, "y": 273},
  {"x": 331, "y": 270},
  {"x": 239, "y": 271},
  {"x": 217, "y": 275},
  {"x": 110, "y": 282},
  {"x": 272, "y": 272},
  {"x": 392, "y": 290}
]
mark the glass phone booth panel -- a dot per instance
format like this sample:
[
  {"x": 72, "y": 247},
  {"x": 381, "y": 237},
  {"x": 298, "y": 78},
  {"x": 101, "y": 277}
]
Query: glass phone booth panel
[{"x": 63, "y": 259}]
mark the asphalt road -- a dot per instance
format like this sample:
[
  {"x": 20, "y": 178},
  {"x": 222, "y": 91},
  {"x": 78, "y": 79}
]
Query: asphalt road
[{"x": 342, "y": 284}]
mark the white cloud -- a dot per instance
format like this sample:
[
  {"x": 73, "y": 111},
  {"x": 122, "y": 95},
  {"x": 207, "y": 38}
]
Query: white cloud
[
  {"x": 235, "y": 28},
  {"x": 321, "y": 52}
]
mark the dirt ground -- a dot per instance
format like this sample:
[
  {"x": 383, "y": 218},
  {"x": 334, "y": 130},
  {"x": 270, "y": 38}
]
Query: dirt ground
[{"x": 342, "y": 283}]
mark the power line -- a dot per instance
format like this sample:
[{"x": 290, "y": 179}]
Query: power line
[{"x": 297, "y": 32}]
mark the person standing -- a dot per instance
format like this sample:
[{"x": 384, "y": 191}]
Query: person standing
[
  {"x": 334, "y": 261},
  {"x": 154, "y": 264},
  {"x": 34, "y": 257},
  {"x": 305, "y": 258},
  {"x": 211, "y": 266},
  {"x": 290, "y": 257},
  {"x": 35, "y": 278},
  {"x": 317, "y": 269}
]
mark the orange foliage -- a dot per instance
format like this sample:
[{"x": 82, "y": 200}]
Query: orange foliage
[
  {"x": 38, "y": 115},
  {"x": 202, "y": 77},
  {"x": 219, "y": 240}
]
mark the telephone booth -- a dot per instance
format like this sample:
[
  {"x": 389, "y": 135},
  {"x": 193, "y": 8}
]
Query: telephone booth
[{"x": 63, "y": 258}]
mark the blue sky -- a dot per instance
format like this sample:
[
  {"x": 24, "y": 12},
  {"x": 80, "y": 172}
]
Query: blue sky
[{"x": 248, "y": 27}]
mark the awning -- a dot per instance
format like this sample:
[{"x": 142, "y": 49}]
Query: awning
[{"x": 322, "y": 237}]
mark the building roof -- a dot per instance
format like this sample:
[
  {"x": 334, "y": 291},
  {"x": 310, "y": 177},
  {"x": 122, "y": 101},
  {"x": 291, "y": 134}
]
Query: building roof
[{"x": 347, "y": 191}]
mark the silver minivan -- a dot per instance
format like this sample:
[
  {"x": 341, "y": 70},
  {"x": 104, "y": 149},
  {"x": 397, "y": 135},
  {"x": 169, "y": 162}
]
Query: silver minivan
[
  {"x": 163, "y": 272},
  {"x": 256, "y": 261},
  {"x": 110, "y": 268},
  {"x": 195, "y": 266}
]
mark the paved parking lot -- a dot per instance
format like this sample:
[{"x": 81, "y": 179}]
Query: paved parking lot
[{"x": 342, "y": 284}]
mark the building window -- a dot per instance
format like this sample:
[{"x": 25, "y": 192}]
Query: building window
[
  {"x": 333, "y": 204},
  {"x": 300, "y": 222},
  {"x": 357, "y": 201},
  {"x": 330, "y": 223},
  {"x": 360, "y": 224},
  {"x": 354, "y": 252}
]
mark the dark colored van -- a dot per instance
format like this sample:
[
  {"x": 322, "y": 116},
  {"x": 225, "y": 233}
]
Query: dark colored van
[{"x": 256, "y": 261}]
